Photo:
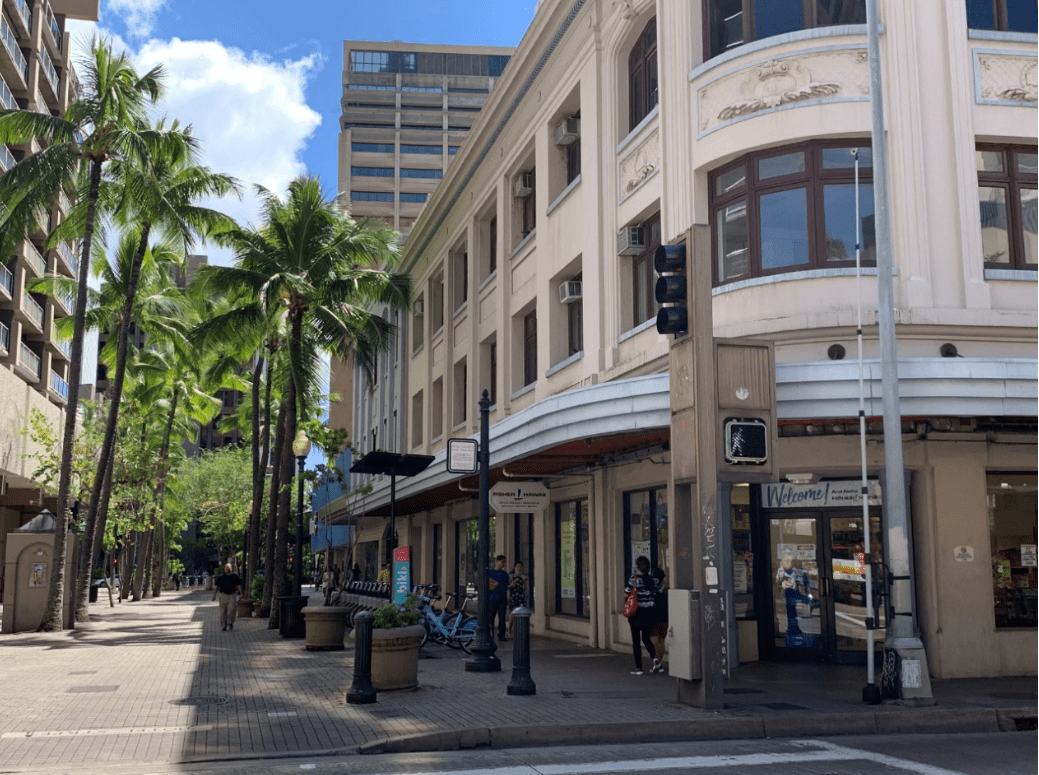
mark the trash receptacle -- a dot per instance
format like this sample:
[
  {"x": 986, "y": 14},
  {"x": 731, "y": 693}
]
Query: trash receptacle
[{"x": 291, "y": 623}]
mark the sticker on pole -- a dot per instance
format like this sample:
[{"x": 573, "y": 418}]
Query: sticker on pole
[{"x": 518, "y": 497}]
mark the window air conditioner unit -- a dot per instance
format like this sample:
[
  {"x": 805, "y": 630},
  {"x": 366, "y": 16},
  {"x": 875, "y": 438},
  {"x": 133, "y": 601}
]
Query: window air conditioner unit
[
  {"x": 523, "y": 185},
  {"x": 420, "y": 308},
  {"x": 568, "y": 130},
  {"x": 570, "y": 291},
  {"x": 631, "y": 240}
]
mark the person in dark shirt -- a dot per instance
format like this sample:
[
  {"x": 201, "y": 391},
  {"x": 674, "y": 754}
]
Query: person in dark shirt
[
  {"x": 498, "y": 582},
  {"x": 645, "y": 617},
  {"x": 226, "y": 585}
]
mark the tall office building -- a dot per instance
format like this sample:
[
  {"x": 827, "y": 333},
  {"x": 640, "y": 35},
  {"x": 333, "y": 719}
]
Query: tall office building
[
  {"x": 406, "y": 110},
  {"x": 36, "y": 73}
]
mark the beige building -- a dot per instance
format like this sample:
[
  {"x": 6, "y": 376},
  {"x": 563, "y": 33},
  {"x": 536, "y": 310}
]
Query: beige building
[
  {"x": 617, "y": 127},
  {"x": 407, "y": 108},
  {"x": 36, "y": 72}
]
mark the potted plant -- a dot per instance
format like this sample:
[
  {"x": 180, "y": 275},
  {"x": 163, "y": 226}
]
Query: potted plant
[{"x": 396, "y": 638}]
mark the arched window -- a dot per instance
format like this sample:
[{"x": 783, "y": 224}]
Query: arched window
[{"x": 642, "y": 75}]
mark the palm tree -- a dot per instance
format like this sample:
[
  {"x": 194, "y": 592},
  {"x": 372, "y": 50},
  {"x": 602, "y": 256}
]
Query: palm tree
[
  {"x": 106, "y": 124},
  {"x": 156, "y": 190},
  {"x": 320, "y": 272}
]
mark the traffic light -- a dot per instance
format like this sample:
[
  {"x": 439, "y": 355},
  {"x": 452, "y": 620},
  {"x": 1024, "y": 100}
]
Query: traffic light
[
  {"x": 746, "y": 441},
  {"x": 669, "y": 261}
]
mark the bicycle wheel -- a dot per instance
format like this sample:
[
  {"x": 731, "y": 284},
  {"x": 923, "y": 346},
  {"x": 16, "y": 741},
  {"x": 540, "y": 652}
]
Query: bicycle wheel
[
  {"x": 452, "y": 624},
  {"x": 466, "y": 635}
]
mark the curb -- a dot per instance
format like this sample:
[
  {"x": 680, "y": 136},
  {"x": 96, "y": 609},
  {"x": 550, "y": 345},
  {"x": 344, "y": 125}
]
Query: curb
[{"x": 949, "y": 721}]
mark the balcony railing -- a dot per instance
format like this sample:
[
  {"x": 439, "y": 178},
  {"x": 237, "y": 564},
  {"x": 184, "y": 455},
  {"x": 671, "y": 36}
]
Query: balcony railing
[
  {"x": 7, "y": 280},
  {"x": 33, "y": 309},
  {"x": 5, "y": 338},
  {"x": 48, "y": 70},
  {"x": 67, "y": 301},
  {"x": 11, "y": 44},
  {"x": 69, "y": 257},
  {"x": 24, "y": 12},
  {"x": 64, "y": 203},
  {"x": 41, "y": 103},
  {"x": 29, "y": 359},
  {"x": 6, "y": 98},
  {"x": 52, "y": 25},
  {"x": 35, "y": 259},
  {"x": 59, "y": 386},
  {"x": 65, "y": 345},
  {"x": 6, "y": 158}
]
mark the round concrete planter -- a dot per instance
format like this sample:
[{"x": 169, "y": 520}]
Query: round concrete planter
[
  {"x": 326, "y": 627},
  {"x": 245, "y": 608},
  {"x": 395, "y": 657}
]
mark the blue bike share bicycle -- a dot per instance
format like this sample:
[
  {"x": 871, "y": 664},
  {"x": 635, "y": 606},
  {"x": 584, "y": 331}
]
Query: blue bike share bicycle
[{"x": 455, "y": 629}]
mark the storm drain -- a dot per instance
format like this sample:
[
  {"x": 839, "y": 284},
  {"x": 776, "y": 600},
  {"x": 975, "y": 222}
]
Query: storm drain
[
  {"x": 83, "y": 689},
  {"x": 200, "y": 701},
  {"x": 782, "y": 706}
]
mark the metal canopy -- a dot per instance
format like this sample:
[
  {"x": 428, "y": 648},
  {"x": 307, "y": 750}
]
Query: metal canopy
[{"x": 392, "y": 463}]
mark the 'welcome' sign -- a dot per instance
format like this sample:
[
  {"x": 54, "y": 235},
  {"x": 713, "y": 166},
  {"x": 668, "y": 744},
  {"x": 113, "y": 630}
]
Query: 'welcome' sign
[{"x": 818, "y": 495}]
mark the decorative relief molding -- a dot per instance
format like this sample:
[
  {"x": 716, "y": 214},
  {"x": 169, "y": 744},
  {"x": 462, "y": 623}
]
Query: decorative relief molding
[
  {"x": 828, "y": 75},
  {"x": 638, "y": 165},
  {"x": 1005, "y": 79}
]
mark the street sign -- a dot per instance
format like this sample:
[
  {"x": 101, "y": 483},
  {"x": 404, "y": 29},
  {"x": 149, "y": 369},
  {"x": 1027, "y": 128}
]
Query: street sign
[
  {"x": 518, "y": 497},
  {"x": 461, "y": 456}
]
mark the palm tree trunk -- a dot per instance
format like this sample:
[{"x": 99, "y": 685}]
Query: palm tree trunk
[
  {"x": 253, "y": 549},
  {"x": 140, "y": 556},
  {"x": 52, "y": 617},
  {"x": 159, "y": 569},
  {"x": 281, "y": 546},
  {"x": 272, "y": 518},
  {"x": 115, "y": 389}
]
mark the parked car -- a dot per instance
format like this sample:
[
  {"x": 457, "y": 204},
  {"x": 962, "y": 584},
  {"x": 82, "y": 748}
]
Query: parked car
[{"x": 103, "y": 582}]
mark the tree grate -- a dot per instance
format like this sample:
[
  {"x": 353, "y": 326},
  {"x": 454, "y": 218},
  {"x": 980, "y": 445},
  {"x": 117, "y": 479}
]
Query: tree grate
[{"x": 200, "y": 701}]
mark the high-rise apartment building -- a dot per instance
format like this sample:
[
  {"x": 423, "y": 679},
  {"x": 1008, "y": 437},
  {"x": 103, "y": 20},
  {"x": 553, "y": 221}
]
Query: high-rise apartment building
[
  {"x": 406, "y": 110},
  {"x": 36, "y": 73}
]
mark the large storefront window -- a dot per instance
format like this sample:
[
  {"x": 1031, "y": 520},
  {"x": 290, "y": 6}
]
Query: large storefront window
[
  {"x": 731, "y": 23},
  {"x": 1012, "y": 509},
  {"x": 467, "y": 544},
  {"x": 645, "y": 529},
  {"x": 368, "y": 559},
  {"x": 742, "y": 553},
  {"x": 572, "y": 558}
]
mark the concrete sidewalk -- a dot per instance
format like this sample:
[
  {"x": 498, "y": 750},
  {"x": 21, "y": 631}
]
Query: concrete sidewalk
[{"x": 158, "y": 682}]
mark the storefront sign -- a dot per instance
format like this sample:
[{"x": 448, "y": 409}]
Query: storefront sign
[
  {"x": 461, "y": 456},
  {"x": 519, "y": 497},
  {"x": 1029, "y": 559},
  {"x": 401, "y": 574},
  {"x": 963, "y": 554},
  {"x": 784, "y": 495}
]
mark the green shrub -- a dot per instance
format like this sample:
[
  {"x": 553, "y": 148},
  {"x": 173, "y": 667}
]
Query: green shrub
[
  {"x": 390, "y": 616},
  {"x": 256, "y": 587}
]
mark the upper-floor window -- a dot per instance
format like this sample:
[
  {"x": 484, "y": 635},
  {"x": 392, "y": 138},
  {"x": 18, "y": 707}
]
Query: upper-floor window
[
  {"x": 790, "y": 209},
  {"x": 575, "y": 324},
  {"x": 573, "y": 154},
  {"x": 492, "y": 245},
  {"x": 528, "y": 208},
  {"x": 411, "y": 198},
  {"x": 1005, "y": 15},
  {"x": 410, "y": 172},
  {"x": 642, "y": 75},
  {"x": 373, "y": 172},
  {"x": 643, "y": 301},
  {"x": 530, "y": 348},
  {"x": 731, "y": 23},
  {"x": 372, "y": 147},
  {"x": 1007, "y": 191},
  {"x": 432, "y": 150},
  {"x": 373, "y": 196}
]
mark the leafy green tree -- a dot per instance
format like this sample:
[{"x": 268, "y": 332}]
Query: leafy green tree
[
  {"x": 107, "y": 123},
  {"x": 319, "y": 272}
]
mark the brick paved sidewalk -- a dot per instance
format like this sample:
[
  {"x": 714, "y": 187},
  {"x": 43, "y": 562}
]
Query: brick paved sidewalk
[{"x": 157, "y": 681}]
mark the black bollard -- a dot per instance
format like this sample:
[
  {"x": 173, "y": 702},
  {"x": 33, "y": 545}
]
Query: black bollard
[
  {"x": 361, "y": 691},
  {"x": 522, "y": 684}
]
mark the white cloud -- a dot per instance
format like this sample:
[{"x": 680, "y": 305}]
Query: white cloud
[
  {"x": 139, "y": 15},
  {"x": 248, "y": 111}
]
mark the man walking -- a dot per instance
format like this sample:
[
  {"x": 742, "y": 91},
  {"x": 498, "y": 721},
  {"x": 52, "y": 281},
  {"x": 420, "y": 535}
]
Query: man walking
[
  {"x": 498, "y": 582},
  {"x": 226, "y": 584}
]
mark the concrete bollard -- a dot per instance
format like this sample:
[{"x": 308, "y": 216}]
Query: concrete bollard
[
  {"x": 361, "y": 691},
  {"x": 522, "y": 684}
]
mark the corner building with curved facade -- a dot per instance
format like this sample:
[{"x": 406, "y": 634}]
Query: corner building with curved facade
[{"x": 618, "y": 126}]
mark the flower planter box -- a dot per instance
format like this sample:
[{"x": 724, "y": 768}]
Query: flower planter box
[
  {"x": 245, "y": 608},
  {"x": 326, "y": 627},
  {"x": 395, "y": 657}
]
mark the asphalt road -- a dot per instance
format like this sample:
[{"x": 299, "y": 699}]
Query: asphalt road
[{"x": 1009, "y": 753}]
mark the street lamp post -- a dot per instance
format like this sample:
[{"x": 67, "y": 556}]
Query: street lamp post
[{"x": 300, "y": 448}]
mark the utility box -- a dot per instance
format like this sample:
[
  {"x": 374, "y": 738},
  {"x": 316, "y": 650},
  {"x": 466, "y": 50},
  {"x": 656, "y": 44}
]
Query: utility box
[
  {"x": 27, "y": 570},
  {"x": 683, "y": 611}
]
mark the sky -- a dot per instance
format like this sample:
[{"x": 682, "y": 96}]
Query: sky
[{"x": 260, "y": 81}]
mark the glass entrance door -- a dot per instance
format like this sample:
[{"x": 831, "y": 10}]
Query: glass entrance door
[{"x": 818, "y": 586}]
